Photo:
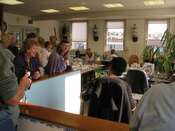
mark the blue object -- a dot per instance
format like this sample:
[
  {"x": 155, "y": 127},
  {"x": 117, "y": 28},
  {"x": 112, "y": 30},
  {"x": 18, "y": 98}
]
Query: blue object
[{"x": 7, "y": 125}]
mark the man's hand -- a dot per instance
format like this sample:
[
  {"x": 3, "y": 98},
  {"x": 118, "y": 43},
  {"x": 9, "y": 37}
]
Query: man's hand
[{"x": 25, "y": 81}]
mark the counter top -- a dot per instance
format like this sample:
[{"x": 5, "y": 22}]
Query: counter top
[{"x": 79, "y": 122}]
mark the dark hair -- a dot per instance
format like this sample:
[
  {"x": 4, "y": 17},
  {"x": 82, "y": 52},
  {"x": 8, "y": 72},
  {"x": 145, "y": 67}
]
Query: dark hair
[
  {"x": 31, "y": 35},
  {"x": 113, "y": 51},
  {"x": 118, "y": 66},
  {"x": 47, "y": 43},
  {"x": 59, "y": 46}
]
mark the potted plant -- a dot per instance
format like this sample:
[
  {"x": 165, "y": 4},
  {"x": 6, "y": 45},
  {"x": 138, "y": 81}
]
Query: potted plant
[{"x": 163, "y": 60}]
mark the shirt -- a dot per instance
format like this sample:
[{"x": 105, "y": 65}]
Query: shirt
[
  {"x": 8, "y": 84},
  {"x": 21, "y": 65},
  {"x": 55, "y": 64},
  {"x": 44, "y": 56},
  {"x": 155, "y": 111}
]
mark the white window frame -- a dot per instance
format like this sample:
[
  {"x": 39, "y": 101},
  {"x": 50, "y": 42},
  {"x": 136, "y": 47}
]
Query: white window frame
[
  {"x": 106, "y": 45},
  {"x": 86, "y": 42},
  {"x": 147, "y": 29}
]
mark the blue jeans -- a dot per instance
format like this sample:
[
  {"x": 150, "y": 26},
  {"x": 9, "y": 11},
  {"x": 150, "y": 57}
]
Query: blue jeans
[
  {"x": 6, "y": 122},
  {"x": 11, "y": 113}
]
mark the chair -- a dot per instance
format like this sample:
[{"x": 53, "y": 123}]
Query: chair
[
  {"x": 109, "y": 100},
  {"x": 137, "y": 80},
  {"x": 7, "y": 125}
]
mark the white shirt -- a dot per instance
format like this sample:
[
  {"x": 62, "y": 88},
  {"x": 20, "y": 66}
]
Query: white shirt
[
  {"x": 156, "y": 110},
  {"x": 44, "y": 56}
]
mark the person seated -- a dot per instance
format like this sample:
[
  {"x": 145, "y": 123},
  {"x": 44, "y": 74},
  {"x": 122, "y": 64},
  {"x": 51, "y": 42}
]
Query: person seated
[
  {"x": 27, "y": 61},
  {"x": 89, "y": 56},
  {"x": 155, "y": 111},
  {"x": 111, "y": 97},
  {"x": 58, "y": 60},
  {"x": 77, "y": 54},
  {"x": 117, "y": 68},
  {"x": 133, "y": 61},
  {"x": 113, "y": 54}
]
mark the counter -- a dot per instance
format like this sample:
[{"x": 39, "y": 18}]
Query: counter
[{"x": 60, "y": 92}]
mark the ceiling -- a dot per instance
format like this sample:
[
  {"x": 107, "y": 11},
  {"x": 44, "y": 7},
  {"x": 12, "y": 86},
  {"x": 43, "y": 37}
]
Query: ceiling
[{"x": 33, "y": 7}]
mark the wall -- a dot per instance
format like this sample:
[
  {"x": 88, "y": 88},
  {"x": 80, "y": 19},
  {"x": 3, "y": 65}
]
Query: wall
[
  {"x": 97, "y": 46},
  {"x": 130, "y": 46},
  {"x": 13, "y": 19},
  {"x": 47, "y": 28}
]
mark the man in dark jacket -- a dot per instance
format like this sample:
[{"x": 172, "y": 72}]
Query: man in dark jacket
[{"x": 112, "y": 97}]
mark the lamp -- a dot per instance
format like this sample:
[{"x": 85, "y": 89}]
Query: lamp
[{"x": 134, "y": 33}]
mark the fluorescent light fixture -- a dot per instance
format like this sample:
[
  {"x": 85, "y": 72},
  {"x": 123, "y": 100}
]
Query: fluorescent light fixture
[
  {"x": 79, "y": 8},
  {"x": 50, "y": 11},
  {"x": 11, "y": 2},
  {"x": 113, "y": 5},
  {"x": 153, "y": 2}
]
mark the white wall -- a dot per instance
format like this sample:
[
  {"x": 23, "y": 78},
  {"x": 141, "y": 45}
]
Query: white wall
[
  {"x": 130, "y": 47},
  {"x": 47, "y": 28},
  {"x": 13, "y": 19}
]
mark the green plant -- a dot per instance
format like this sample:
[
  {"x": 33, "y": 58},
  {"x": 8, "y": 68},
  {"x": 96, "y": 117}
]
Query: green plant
[
  {"x": 148, "y": 54},
  {"x": 167, "y": 57},
  {"x": 163, "y": 60}
]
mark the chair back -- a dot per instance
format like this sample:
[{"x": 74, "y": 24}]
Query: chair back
[
  {"x": 110, "y": 101},
  {"x": 7, "y": 125},
  {"x": 137, "y": 80}
]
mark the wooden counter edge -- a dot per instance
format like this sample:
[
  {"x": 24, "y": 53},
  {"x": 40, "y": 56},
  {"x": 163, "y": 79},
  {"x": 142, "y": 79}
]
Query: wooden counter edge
[{"x": 79, "y": 122}]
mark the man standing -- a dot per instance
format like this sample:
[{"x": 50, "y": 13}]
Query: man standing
[{"x": 10, "y": 92}]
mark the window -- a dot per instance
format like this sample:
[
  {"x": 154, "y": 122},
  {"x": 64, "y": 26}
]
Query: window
[
  {"x": 79, "y": 35},
  {"x": 115, "y": 35},
  {"x": 156, "y": 30}
]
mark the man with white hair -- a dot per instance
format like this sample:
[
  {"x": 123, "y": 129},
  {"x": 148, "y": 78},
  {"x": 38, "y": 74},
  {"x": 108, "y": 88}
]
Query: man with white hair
[{"x": 155, "y": 111}]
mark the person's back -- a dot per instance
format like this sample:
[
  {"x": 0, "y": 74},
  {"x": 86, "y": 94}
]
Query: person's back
[
  {"x": 110, "y": 100},
  {"x": 155, "y": 111}
]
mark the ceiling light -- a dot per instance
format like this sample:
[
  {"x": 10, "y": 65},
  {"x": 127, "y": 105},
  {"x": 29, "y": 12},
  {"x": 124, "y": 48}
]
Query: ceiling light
[
  {"x": 79, "y": 8},
  {"x": 50, "y": 11},
  {"x": 11, "y": 2},
  {"x": 114, "y": 5},
  {"x": 153, "y": 2}
]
